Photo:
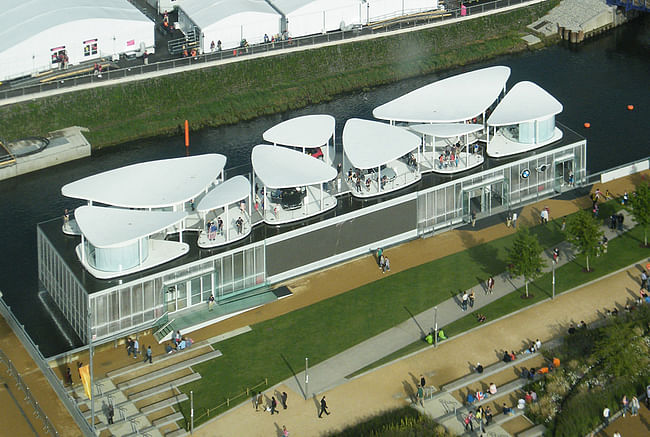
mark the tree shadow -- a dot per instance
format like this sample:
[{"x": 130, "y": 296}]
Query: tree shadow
[
  {"x": 483, "y": 254},
  {"x": 422, "y": 332},
  {"x": 300, "y": 386}
]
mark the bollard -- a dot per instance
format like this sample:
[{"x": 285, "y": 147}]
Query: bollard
[{"x": 187, "y": 134}]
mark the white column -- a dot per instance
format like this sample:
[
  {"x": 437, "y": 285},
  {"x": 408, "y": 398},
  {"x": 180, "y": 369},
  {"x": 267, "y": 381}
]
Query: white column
[
  {"x": 266, "y": 201},
  {"x": 227, "y": 223},
  {"x": 379, "y": 179},
  {"x": 321, "y": 196},
  {"x": 83, "y": 249}
]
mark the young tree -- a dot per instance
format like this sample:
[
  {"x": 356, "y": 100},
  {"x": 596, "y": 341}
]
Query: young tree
[
  {"x": 584, "y": 232},
  {"x": 639, "y": 207},
  {"x": 525, "y": 256}
]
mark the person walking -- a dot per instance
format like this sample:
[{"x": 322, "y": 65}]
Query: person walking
[
  {"x": 472, "y": 297},
  {"x": 634, "y": 406},
  {"x": 211, "y": 302},
  {"x": 479, "y": 418},
  {"x": 488, "y": 416},
  {"x": 490, "y": 284},
  {"x": 468, "y": 422},
  {"x": 420, "y": 396},
  {"x": 259, "y": 399},
  {"x": 323, "y": 407},
  {"x": 606, "y": 416},
  {"x": 136, "y": 348},
  {"x": 464, "y": 300},
  {"x": 285, "y": 433},
  {"x": 129, "y": 346},
  {"x": 148, "y": 356},
  {"x": 111, "y": 413},
  {"x": 423, "y": 382},
  {"x": 68, "y": 376},
  {"x": 283, "y": 399},
  {"x": 624, "y": 404},
  {"x": 514, "y": 220},
  {"x": 274, "y": 406}
]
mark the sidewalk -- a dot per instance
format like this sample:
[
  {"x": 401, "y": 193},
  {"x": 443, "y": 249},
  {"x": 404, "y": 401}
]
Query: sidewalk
[{"x": 391, "y": 386}]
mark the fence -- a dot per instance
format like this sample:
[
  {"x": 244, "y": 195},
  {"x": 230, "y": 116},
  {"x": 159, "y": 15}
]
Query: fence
[
  {"x": 212, "y": 58},
  {"x": 47, "y": 425},
  {"x": 38, "y": 358},
  {"x": 227, "y": 402}
]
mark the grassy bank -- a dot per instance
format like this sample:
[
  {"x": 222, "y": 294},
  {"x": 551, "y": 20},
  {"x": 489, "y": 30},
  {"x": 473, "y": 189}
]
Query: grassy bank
[{"x": 251, "y": 88}]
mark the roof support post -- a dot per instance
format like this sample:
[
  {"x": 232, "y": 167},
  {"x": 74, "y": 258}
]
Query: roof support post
[
  {"x": 322, "y": 189},
  {"x": 227, "y": 223}
]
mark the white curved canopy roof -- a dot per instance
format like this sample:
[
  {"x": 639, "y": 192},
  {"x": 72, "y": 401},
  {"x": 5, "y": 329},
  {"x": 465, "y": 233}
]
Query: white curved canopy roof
[
  {"x": 206, "y": 13},
  {"x": 370, "y": 144},
  {"x": 233, "y": 190},
  {"x": 278, "y": 167},
  {"x": 153, "y": 184},
  {"x": 526, "y": 101},
  {"x": 106, "y": 227},
  {"x": 446, "y": 130},
  {"x": 457, "y": 98},
  {"x": 306, "y": 131}
]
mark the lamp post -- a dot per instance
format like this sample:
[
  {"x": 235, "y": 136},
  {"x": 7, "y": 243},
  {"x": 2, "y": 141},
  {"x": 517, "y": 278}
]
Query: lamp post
[
  {"x": 306, "y": 378},
  {"x": 90, "y": 363},
  {"x": 191, "y": 412},
  {"x": 553, "y": 270},
  {"x": 435, "y": 326}
]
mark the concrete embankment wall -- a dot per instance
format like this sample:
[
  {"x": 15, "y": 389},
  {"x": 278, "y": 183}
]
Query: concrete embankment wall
[{"x": 65, "y": 145}]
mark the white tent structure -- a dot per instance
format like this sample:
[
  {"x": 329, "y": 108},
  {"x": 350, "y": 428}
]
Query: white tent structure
[
  {"x": 228, "y": 21},
  {"x": 117, "y": 242},
  {"x": 175, "y": 184},
  {"x": 232, "y": 199},
  {"x": 449, "y": 147},
  {"x": 311, "y": 133},
  {"x": 377, "y": 10},
  {"x": 524, "y": 120},
  {"x": 293, "y": 184},
  {"x": 307, "y": 17},
  {"x": 35, "y": 33},
  {"x": 381, "y": 157},
  {"x": 455, "y": 99}
]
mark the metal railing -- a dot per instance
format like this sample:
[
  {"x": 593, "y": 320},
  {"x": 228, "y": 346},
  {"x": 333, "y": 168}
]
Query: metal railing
[
  {"x": 212, "y": 58},
  {"x": 227, "y": 402},
  {"x": 43, "y": 365},
  {"x": 47, "y": 425}
]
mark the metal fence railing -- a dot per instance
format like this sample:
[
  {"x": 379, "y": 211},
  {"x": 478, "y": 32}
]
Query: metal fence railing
[
  {"x": 212, "y": 58},
  {"x": 54, "y": 381},
  {"x": 47, "y": 425}
]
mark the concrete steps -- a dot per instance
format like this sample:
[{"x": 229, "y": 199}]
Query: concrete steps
[
  {"x": 157, "y": 359},
  {"x": 535, "y": 431},
  {"x": 162, "y": 387},
  {"x": 169, "y": 402},
  {"x": 178, "y": 433},
  {"x": 167, "y": 370}
]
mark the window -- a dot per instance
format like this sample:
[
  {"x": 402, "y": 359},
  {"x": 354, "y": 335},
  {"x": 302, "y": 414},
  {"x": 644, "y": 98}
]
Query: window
[{"x": 90, "y": 47}]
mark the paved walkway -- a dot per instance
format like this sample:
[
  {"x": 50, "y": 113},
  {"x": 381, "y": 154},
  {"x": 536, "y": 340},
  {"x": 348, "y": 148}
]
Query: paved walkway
[{"x": 333, "y": 371}]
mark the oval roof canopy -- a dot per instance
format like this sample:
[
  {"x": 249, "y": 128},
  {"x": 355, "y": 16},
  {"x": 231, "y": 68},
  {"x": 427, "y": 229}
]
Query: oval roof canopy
[
  {"x": 224, "y": 194},
  {"x": 153, "y": 184},
  {"x": 370, "y": 144},
  {"x": 306, "y": 131},
  {"x": 457, "y": 98},
  {"x": 526, "y": 101},
  {"x": 110, "y": 227},
  {"x": 446, "y": 130},
  {"x": 278, "y": 167}
]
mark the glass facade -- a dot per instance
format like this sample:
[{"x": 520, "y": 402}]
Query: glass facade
[
  {"x": 499, "y": 189},
  {"x": 117, "y": 259}
]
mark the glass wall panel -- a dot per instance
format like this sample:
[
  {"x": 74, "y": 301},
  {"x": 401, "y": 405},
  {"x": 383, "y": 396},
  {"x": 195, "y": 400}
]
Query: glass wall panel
[
  {"x": 195, "y": 290},
  {"x": 181, "y": 297},
  {"x": 206, "y": 286},
  {"x": 238, "y": 270}
]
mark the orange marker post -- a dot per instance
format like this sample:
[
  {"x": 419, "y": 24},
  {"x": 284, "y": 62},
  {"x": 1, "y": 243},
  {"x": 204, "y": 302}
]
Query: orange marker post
[
  {"x": 630, "y": 107},
  {"x": 587, "y": 125},
  {"x": 187, "y": 134}
]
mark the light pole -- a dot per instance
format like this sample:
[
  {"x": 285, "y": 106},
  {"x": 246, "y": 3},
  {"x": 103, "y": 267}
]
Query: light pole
[
  {"x": 90, "y": 363},
  {"x": 191, "y": 412},
  {"x": 553, "y": 270},
  {"x": 306, "y": 378},
  {"x": 435, "y": 326}
]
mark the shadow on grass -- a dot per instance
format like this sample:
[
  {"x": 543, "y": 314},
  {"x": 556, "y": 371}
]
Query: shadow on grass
[
  {"x": 293, "y": 372},
  {"x": 486, "y": 256}
]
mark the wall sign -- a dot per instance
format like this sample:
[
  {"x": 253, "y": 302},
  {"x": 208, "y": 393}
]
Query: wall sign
[{"x": 525, "y": 173}]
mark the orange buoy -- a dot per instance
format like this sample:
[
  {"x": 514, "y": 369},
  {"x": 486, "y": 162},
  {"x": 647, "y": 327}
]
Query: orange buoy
[
  {"x": 587, "y": 125},
  {"x": 630, "y": 107},
  {"x": 187, "y": 134}
]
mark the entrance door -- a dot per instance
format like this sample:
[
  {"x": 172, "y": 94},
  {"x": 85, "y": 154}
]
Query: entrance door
[
  {"x": 486, "y": 200},
  {"x": 563, "y": 175},
  {"x": 473, "y": 202},
  {"x": 170, "y": 298}
]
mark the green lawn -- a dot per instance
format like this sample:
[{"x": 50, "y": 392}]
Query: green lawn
[{"x": 276, "y": 348}]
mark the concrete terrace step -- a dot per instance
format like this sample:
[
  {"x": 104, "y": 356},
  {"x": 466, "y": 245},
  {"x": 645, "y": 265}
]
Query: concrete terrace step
[
  {"x": 167, "y": 419},
  {"x": 178, "y": 433},
  {"x": 487, "y": 371},
  {"x": 164, "y": 403},
  {"x": 135, "y": 397},
  {"x": 505, "y": 389},
  {"x": 501, "y": 418},
  {"x": 167, "y": 370},
  {"x": 158, "y": 359},
  {"x": 535, "y": 431}
]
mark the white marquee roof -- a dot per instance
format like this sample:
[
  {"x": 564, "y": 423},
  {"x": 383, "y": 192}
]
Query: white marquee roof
[
  {"x": 152, "y": 184},
  {"x": 278, "y": 167},
  {"x": 106, "y": 227},
  {"x": 233, "y": 190},
  {"x": 208, "y": 12},
  {"x": 370, "y": 144},
  {"x": 446, "y": 130},
  {"x": 25, "y": 18},
  {"x": 526, "y": 101},
  {"x": 457, "y": 98},
  {"x": 307, "y": 131}
]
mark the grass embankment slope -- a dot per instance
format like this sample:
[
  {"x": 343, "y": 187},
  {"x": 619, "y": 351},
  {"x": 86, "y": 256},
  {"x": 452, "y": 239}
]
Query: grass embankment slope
[{"x": 250, "y": 88}]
